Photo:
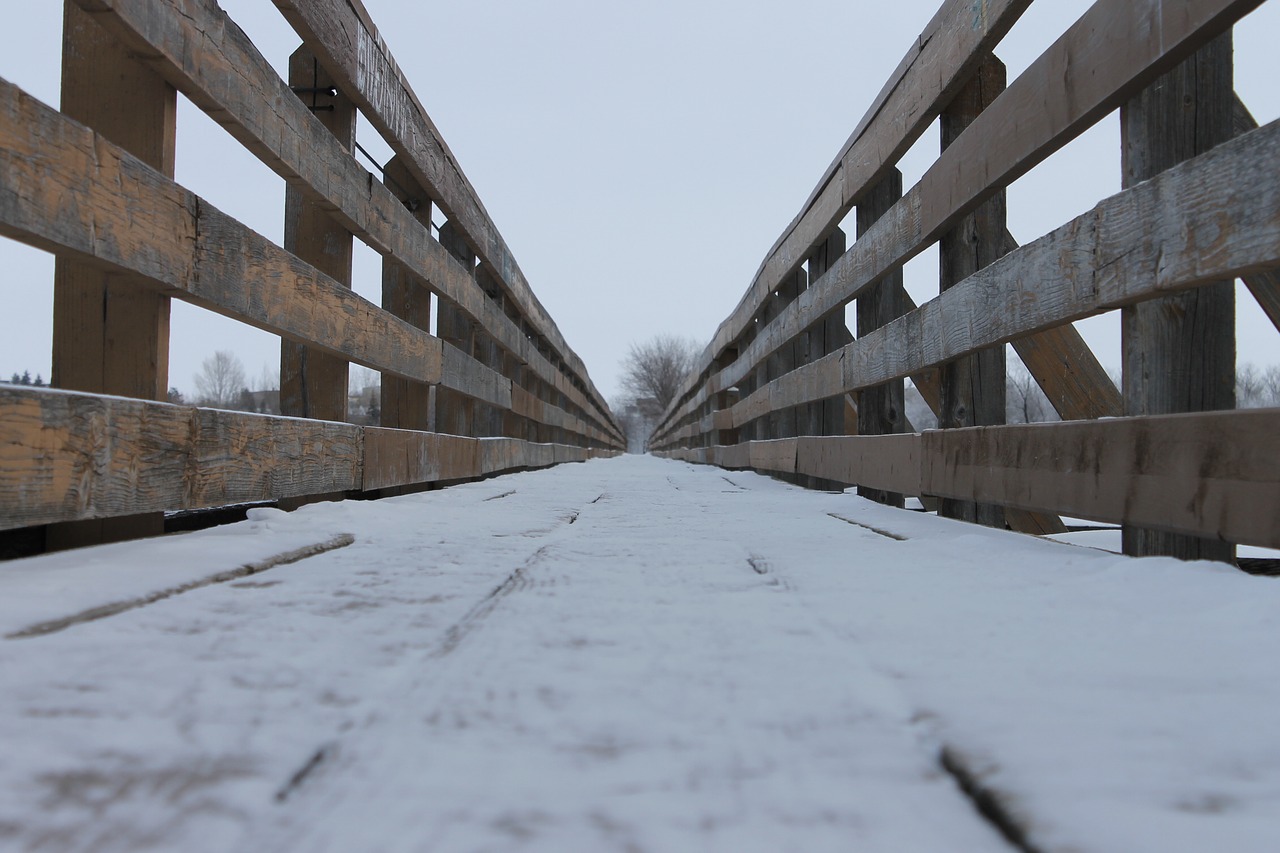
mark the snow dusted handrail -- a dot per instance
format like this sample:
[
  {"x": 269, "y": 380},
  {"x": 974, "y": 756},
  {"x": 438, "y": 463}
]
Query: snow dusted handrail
[{"x": 784, "y": 365}]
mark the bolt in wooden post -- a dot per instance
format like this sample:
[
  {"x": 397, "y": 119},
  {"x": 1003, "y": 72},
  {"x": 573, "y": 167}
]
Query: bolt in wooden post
[
  {"x": 313, "y": 384},
  {"x": 1180, "y": 350},
  {"x": 882, "y": 409},
  {"x": 973, "y": 387},
  {"x": 111, "y": 330}
]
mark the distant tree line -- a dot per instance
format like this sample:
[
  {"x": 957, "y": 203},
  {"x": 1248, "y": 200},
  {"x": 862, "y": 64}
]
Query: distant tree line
[{"x": 25, "y": 379}]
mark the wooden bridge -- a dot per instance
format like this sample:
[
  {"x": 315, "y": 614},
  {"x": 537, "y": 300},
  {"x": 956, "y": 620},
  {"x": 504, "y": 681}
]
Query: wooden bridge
[{"x": 642, "y": 653}]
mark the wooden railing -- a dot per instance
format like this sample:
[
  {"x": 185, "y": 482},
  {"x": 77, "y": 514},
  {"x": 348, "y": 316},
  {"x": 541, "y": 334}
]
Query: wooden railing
[
  {"x": 496, "y": 389},
  {"x": 785, "y": 387}
]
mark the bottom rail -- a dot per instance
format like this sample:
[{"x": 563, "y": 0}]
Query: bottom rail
[
  {"x": 1212, "y": 474},
  {"x": 71, "y": 457}
]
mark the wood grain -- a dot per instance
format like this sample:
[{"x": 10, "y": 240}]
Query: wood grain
[
  {"x": 1179, "y": 350},
  {"x": 313, "y": 383},
  {"x": 70, "y": 456},
  {"x": 1209, "y": 474}
]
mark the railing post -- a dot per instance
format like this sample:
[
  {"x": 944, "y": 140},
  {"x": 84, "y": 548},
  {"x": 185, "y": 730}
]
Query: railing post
[
  {"x": 406, "y": 404},
  {"x": 313, "y": 384},
  {"x": 110, "y": 330},
  {"x": 832, "y": 333},
  {"x": 486, "y": 351},
  {"x": 973, "y": 387},
  {"x": 1179, "y": 351},
  {"x": 725, "y": 399},
  {"x": 882, "y": 409},
  {"x": 455, "y": 412}
]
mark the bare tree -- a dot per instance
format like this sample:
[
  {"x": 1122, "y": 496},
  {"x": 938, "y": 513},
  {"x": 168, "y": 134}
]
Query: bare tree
[
  {"x": 1025, "y": 403},
  {"x": 220, "y": 380},
  {"x": 1271, "y": 385},
  {"x": 654, "y": 370},
  {"x": 1251, "y": 387}
]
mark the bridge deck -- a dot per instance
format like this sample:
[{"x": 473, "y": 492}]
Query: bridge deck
[{"x": 635, "y": 655}]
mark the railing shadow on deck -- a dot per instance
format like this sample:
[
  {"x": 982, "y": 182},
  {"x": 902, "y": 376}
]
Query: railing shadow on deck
[
  {"x": 497, "y": 389},
  {"x": 785, "y": 387}
]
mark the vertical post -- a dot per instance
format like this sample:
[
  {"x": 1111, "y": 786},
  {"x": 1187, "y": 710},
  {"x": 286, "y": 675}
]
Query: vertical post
[
  {"x": 111, "y": 330},
  {"x": 882, "y": 409},
  {"x": 488, "y": 353},
  {"x": 725, "y": 399},
  {"x": 1179, "y": 351},
  {"x": 829, "y": 335},
  {"x": 514, "y": 369},
  {"x": 761, "y": 426},
  {"x": 455, "y": 412},
  {"x": 973, "y": 387},
  {"x": 406, "y": 404},
  {"x": 783, "y": 361},
  {"x": 313, "y": 384}
]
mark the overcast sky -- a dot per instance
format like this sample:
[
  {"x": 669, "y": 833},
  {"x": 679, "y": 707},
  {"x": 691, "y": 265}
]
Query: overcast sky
[{"x": 639, "y": 158}]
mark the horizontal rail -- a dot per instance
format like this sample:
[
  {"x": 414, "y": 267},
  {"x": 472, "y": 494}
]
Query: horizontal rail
[
  {"x": 230, "y": 79},
  {"x": 69, "y": 457},
  {"x": 1114, "y": 50},
  {"x": 1211, "y": 218},
  {"x": 68, "y": 190},
  {"x": 1212, "y": 474}
]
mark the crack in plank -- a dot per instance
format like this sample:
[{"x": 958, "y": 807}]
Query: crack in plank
[{"x": 41, "y": 629}]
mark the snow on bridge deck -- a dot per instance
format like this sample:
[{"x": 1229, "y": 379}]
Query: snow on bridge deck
[{"x": 635, "y": 654}]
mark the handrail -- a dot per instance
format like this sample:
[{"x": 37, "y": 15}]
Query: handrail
[
  {"x": 513, "y": 388},
  {"x": 774, "y": 357}
]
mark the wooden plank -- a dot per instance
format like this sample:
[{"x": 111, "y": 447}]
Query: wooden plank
[
  {"x": 342, "y": 34},
  {"x": 1212, "y": 217},
  {"x": 734, "y": 456},
  {"x": 1113, "y": 51},
  {"x": 1210, "y": 474},
  {"x": 395, "y": 457},
  {"x": 230, "y": 80},
  {"x": 67, "y": 456},
  {"x": 881, "y": 463},
  {"x": 776, "y": 455},
  {"x": 313, "y": 383},
  {"x": 1179, "y": 351}
]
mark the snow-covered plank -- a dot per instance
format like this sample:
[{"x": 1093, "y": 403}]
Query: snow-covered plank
[{"x": 650, "y": 655}]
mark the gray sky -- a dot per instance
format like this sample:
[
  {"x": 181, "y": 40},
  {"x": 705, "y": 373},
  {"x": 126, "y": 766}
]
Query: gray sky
[{"x": 639, "y": 159}]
